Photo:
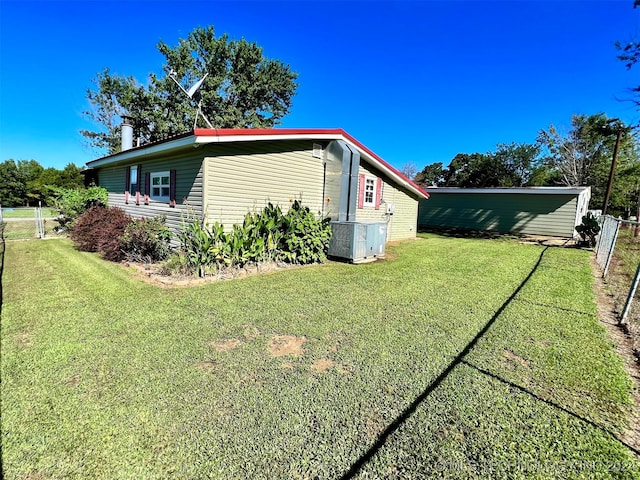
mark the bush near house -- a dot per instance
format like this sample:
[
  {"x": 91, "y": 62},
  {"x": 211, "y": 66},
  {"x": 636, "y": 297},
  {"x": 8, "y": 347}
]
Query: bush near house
[
  {"x": 296, "y": 237},
  {"x": 269, "y": 235},
  {"x": 73, "y": 202},
  {"x": 99, "y": 230},
  {"x": 146, "y": 240}
]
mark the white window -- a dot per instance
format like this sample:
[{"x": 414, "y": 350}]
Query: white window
[
  {"x": 160, "y": 186},
  {"x": 133, "y": 180},
  {"x": 369, "y": 191}
]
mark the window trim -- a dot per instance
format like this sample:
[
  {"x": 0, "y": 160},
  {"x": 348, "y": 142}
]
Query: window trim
[
  {"x": 160, "y": 198},
  {"x": 133, "y": 183},
  {"x": 372, "y": 191}
]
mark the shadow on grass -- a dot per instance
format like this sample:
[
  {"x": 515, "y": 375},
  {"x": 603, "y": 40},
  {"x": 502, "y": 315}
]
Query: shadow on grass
[
  {"x": 551, "y": 404},
  {"x": 467, "y": 233},
  {"x": 404, "y": 416},
  {"x": 545, "y": 241}
]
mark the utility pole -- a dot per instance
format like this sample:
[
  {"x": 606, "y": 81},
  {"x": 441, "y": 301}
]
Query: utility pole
[{"x": 613, "y": 168}]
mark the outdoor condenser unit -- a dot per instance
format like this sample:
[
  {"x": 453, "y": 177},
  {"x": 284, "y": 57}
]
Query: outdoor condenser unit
[{"x": 358, "y": 241}]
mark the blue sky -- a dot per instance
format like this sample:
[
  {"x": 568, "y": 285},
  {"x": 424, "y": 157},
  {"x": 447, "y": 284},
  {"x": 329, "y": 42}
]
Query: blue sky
[{"x": 415, "y": 80}]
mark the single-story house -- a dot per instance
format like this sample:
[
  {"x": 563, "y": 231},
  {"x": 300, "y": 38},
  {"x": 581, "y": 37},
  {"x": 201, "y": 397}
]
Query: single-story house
[
  {"x": 221, "y": 174},
  {"x": 552, "y": 211}
]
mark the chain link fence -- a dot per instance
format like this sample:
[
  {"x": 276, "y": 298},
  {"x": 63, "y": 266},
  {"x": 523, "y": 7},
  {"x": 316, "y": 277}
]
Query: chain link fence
[
  {"x": 28, "y": 222},
  {"x": 618, "y": 255}
]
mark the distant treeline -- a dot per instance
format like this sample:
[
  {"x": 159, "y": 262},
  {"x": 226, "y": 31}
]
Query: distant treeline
[{"x": 26, "y": 182}]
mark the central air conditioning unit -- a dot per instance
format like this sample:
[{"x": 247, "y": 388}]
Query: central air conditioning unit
[{"x": 358, "y": 242}]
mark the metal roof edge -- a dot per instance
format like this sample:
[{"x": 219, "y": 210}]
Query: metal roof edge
[
  {"x": 202, "y": 136},
  {"x": 511, "y": 190}
]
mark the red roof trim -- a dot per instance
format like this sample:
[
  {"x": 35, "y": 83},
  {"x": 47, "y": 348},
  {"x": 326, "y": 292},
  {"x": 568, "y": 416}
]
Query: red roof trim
[{"x": 232, "y": 132}]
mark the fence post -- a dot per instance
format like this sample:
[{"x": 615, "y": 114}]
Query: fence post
[
  {"x": 39, "y": 221},
  {"x": 611, "y": 248},
  {"x": 632, "y": 292}
]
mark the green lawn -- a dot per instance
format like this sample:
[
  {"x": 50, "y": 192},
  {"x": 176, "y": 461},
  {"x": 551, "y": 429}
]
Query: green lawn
[
  {"x": 27, "y": 212},
  {"x": 455, "y": 358}
]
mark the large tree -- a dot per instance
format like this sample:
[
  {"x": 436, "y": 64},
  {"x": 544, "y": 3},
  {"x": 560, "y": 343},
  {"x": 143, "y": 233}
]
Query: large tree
[
  {"x": 13, "y": 187},
  {"x": 242, "y": 89},
  {"x": 432, "y": 175},
  {"x": 582, "y": 156}
]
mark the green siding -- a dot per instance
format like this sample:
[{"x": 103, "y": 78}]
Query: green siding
[
  {"x": 541, "y": 214},
  {"x": 402, "y": 224},
  {"x": 243, "y": 177},
  {"x": 222, "y": 182},
  {"x": 188, "y": 188}
]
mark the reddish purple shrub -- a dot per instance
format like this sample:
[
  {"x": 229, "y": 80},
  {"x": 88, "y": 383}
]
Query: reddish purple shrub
[{"x": 99, "y": 230}]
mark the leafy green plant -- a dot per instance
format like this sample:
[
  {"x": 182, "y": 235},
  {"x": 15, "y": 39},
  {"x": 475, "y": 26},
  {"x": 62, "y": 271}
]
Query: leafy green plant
[
  {"x": 305, "y": 238},
  {"x": 204, "y": 246},
  {"x": 71, "y": 203},
  {"x": 146, "y": 240},
  {"x": 176, "y": 264},
  {"x": 268, "y": 235},
  {"x": 589, "y": 229}
]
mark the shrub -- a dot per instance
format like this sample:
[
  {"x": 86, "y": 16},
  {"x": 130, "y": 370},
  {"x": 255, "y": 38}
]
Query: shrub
[
  {"x": 204, "y": 247},
  {"x": 297, "y": 237},
  {"x": 589, "y": 229},
  {"x": 146, "y": 240},
  {"x": 99, "y": 230},
  {"x": 71, "y": 203},
  {"x": 176, "y": 264},
  {"x": 305, "y": 238}
]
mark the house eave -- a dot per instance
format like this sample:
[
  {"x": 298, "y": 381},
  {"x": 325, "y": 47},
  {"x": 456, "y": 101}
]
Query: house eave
[
  {"x": 210, "y": 136},
  {"x": 514, "y": 190}
]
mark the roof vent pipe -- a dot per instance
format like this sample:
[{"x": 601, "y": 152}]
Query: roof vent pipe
[{"x": 127, "y": 134}]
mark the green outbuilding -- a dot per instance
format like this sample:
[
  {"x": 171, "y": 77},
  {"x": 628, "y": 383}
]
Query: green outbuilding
[{"x": 550, "y": 211}]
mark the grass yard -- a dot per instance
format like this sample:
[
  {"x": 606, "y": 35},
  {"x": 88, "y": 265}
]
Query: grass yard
[
  {"x": 27, "y": 212},
  {"x": 455, "y": 358}
]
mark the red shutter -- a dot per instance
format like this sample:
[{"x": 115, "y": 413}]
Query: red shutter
[
  {"x": 378, "y": 192},
  {"x": 147, "y": 187},
  {"x": 127, "y": 184},
  {"x": 138, "y": 181},
  {"x": 172, "y": 188},
  {"x": 361, "y": 184}
]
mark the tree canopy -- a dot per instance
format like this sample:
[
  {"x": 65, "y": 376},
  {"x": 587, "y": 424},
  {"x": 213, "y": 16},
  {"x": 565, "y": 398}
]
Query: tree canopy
[
  {"x": 242, "y": 89},
  {"x": 581, "y": 156},
  {"x": 511, "y": 165},
  {"x": 26, "y": 182}
]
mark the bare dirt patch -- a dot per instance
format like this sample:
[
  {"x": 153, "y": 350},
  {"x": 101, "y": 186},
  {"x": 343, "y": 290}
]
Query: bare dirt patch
[
  {"x": 225, "y": 345},
  {"x": 206, "y": 366},
  {"x": 515, "y": 359},
  {"x": 623, "y": 345},
  {"x": 72, "y": 381},
  {"x": 22, "y": 339},
  {"x": 153, "y": 273},
  {"x": 322, "y": 365},
  {"x": 282, "y": 345}
]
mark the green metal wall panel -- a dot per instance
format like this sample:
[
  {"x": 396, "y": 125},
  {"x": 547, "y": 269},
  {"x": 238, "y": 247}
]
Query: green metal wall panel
[{"x": 550, "y": 214}]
